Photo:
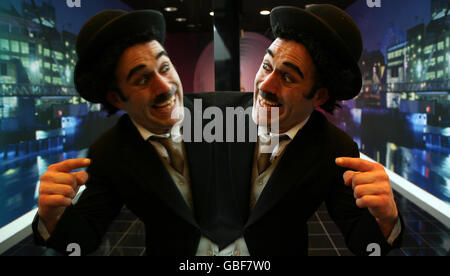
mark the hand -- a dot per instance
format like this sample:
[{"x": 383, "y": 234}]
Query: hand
[
  {"x": 372, "y": 190},
  {"x": 58, "y": 188}
]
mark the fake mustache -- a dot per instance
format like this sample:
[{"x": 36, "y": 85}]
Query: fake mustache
[
  {"x": 268, "y": 96},
  {"x": 164, "y": 97}
]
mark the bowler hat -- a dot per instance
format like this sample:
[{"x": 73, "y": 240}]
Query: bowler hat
[
  {"x": 106, "y": 28},
  {"x": 334, "y": 28}
]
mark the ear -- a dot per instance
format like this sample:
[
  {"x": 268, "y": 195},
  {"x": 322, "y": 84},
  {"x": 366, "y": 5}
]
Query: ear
[
  {"x": 113, "y": 98},
  {"x": 320, "y": 97}
]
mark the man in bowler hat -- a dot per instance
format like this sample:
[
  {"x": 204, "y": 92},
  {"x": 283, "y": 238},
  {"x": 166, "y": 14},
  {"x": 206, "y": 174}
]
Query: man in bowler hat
[
  {"x": 311, "y": 64},
  {"x": 142, "y": 162}
]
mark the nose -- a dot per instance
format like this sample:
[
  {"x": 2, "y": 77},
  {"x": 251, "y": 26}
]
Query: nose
[
  {"x": 160, "y": 85},
  {"x": 270, "y": 84}
]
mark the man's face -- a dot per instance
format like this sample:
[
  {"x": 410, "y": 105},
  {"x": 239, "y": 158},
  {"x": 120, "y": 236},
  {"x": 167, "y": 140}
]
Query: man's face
[
  {"x": 285, "y": 77},
  {"x": 151, "y": 85}
]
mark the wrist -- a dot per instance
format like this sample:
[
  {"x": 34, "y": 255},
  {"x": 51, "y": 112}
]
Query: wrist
[
  {"x": 50, "y": 220},
  {"x": 387, "y": 224}
]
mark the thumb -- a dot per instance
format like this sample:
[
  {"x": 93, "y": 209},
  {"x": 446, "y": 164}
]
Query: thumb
[
  {"x": 348, "y": 177},
  {"x": 81, "y": 177}
]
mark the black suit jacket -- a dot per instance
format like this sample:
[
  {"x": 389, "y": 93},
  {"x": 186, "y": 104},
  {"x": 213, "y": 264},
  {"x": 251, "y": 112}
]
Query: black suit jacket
[
  {"x": 305, "y": 177},
  {"x": 126, "y": 170}
]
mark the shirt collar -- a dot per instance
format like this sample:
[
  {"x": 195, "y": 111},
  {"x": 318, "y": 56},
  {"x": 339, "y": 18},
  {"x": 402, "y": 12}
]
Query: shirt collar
[
  {"x": 291, "y": 133},
  {"x": 175, "y": 132}
]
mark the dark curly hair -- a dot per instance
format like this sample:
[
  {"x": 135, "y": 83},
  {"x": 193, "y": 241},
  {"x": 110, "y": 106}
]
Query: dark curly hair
[
  {"x": 101, "y": 74},
  {"x": 329, "y": 73}
]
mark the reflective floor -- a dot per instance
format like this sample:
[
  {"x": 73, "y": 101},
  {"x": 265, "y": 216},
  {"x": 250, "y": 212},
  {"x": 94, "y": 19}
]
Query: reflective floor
[{"x": 424, "y": 236}]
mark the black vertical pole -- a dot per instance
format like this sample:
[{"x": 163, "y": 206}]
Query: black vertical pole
[{"x": 226, "y": 44}]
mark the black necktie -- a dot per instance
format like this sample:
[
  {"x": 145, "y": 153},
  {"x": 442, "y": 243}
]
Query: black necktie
[{"x": 174, "y": 150}]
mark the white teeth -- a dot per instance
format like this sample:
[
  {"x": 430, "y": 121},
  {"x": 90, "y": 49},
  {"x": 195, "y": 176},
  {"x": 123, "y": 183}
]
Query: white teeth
[
  {"x": 167, "y": 104},
  {"x": 266, "y": 103}
]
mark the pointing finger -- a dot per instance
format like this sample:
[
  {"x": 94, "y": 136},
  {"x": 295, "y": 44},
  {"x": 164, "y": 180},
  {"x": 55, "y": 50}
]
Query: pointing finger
[
  {"x": 70, "y": 165},
  {"x": 357, "y": 164}
]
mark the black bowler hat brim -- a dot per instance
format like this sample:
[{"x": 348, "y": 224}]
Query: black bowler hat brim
[
  {"x": 305, "y": 22},
  {"x": 118, "y": 26}
]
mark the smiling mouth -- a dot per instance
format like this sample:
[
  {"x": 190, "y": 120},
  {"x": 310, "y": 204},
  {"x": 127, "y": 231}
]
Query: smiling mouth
[
  {"x": 166, "y": 105},
  {"x": 267, "y": 104}
]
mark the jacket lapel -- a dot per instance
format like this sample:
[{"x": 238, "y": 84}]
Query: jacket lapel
[
  {"x": 145, "y": 163},
  {"x": 295, "y": 164}
]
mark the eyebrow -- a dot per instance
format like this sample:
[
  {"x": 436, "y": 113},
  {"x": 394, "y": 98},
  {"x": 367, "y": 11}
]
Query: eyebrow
[
  {"x": 162, "y": 53},
  {"x": 295, "y": 68},
  {"x": 142, "y": 66},
  {"x": 288, "y": 64}
]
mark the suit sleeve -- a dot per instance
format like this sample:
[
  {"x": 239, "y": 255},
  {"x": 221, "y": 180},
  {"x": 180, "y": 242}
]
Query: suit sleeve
[
  {"x": 86, "y": 221},
  {"x": 357, "y": 225}
]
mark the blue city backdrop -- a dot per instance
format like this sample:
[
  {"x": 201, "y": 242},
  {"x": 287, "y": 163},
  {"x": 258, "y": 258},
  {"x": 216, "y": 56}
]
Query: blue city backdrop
[
  {"x": 42, "y": 118},
  {"x": 400, "y": 119}
]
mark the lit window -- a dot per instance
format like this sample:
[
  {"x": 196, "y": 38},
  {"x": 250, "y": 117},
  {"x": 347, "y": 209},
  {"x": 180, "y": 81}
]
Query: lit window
[
  {"x": 4, "y": 45},
  {"x": 430, "y": 76},
  {"x": 57, "y": 81},
  {"x": 59, "y": 56},
  {"x": 15, "y": 46},
  {"x": 25, "y": 48},
  {"x": 428, "y": 49},
  {"x": 432, "y": 62}
]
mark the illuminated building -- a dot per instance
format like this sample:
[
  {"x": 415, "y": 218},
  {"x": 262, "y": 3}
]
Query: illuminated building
[
  {"x": 36, "y": 70},
  {"x": 418, "y": 69}
]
